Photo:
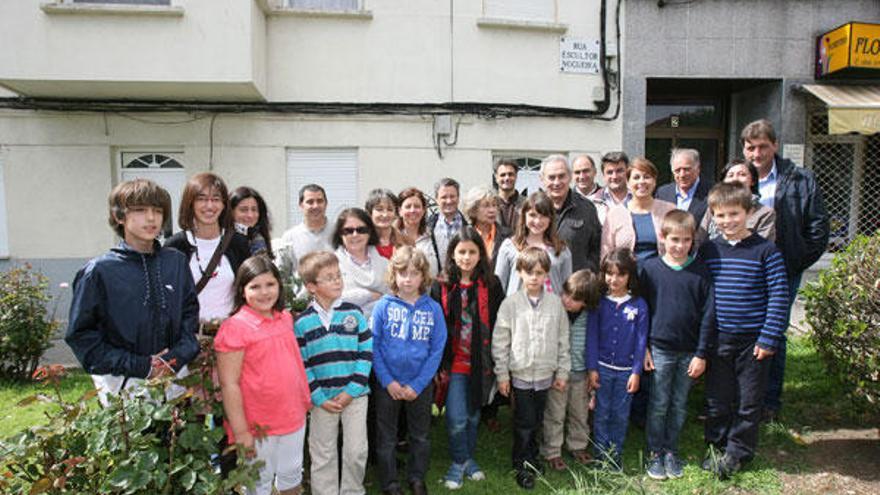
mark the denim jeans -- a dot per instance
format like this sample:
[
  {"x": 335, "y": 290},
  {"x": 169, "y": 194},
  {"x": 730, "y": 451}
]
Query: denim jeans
[
  {"x": 418, "y": 420},
  {"x": 667, "y": 406},
  {"x": 736, "y": 382},
  {"x": 528, "y": 415},
  {"x": 461, "y": 419},
  {"x": 773, "y": 398},
  {"x": 612, "y": 413}
]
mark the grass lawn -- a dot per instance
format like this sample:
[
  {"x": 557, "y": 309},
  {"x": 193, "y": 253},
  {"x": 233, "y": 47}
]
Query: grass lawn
[{"x": 813, "y": 401}]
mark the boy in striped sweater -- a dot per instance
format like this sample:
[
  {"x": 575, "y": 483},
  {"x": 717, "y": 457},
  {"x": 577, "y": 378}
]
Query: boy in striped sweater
[
  {"x": 337, "y": 350},
  {"x": 751, "y": 314}
]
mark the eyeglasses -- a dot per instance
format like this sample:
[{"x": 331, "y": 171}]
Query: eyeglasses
[
  {"x": 329, "y": 280},
  {"x": 355, "y": 230}
]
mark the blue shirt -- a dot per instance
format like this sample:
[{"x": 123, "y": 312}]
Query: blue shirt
[
  {"x": 617, "y": 334},
  {"x": 767, "y": 187},
  {"x": 646, "y": 236},
  {"x": 683, "y": 199}
]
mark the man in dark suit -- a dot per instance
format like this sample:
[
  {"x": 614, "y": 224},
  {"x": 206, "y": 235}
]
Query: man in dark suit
[{"x": 686, "y": 191}]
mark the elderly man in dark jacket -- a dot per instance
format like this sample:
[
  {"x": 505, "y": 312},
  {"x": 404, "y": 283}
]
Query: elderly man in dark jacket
[
  {"x": 802, "y": 227},
  {"x": 576, "y": 220}
]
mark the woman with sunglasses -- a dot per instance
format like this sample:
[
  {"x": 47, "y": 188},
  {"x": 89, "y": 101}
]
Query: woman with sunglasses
[{"x": 362, "y": 267}]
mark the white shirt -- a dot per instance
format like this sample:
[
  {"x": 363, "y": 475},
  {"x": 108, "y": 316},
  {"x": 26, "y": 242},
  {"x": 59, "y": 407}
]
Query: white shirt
[
  {"x": 300, "y": 241},
  {"x": 767, "y": 187},
  {"x": 215, "y": 300}
]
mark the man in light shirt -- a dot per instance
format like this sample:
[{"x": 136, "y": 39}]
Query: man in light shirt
[
  {"x": 802, "y": 228},
  {"x": 313, "y": 234},
  {"x": 615, "y": 191}
]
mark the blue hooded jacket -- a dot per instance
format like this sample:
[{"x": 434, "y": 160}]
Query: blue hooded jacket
[
  {"x": 408, "y": 341},
  {"x": 128, "y": 306}
]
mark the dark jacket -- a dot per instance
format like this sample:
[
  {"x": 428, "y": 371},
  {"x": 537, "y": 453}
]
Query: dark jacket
[
  {"x": 699, "y": 202},
  {"x": 578, "y": 225},
  {"x": 802, "y": 227},
  {"x": 239, "y": 248},
  {"x": 509, "y": 211},
  {"x": 128, "y": 306},
  {"x": 501, "y": 233},
  {"x": 482, "y": 365}
]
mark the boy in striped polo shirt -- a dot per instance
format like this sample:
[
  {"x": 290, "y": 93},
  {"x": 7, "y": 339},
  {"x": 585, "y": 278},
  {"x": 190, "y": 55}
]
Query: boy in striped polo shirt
[
  {"x": 337, "y": 350},
  {"x": 751, "y": 314}
]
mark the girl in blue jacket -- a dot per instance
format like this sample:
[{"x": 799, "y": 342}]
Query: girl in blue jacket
[
  {"x": 409, "y": 335},
  {"x": 617, "y": 333}
]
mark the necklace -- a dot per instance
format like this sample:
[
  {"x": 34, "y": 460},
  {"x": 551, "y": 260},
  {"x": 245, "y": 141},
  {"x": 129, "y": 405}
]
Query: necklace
[{"x": 199, "y": 259}]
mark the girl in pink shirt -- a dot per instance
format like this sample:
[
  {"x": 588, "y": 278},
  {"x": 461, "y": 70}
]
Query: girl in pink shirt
[{"x": 262, "y": 377}]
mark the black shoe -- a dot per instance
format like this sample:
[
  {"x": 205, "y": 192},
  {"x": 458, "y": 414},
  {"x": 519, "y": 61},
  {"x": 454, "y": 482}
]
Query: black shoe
[
  {"x": 769, "y": 415},
  {"x": 417, "y": 487},
  {"x": 726, "y": 467},
  {"x": 525, "y": 479}
]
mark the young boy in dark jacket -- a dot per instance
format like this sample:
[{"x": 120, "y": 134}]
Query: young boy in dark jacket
[{"x": 134, "y": 313}]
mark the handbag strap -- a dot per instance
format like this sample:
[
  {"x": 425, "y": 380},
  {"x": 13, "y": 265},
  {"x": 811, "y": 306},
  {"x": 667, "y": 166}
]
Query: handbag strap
[{"x": 215, "y": 260}]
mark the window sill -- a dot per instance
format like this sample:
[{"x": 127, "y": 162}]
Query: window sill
[
  {"x": 499, "y": 23},
  {"x": 364, "y": 15},
  {"x": 113, "y": 9}
]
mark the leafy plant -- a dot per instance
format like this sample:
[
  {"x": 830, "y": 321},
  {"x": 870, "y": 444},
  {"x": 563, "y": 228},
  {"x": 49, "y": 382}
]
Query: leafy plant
[
  {"x": 296, "y": 299},
  {"x": 843, "y": 311},
  {"x": 135, "y": 445},
  {"x": 25, "y": 325}
]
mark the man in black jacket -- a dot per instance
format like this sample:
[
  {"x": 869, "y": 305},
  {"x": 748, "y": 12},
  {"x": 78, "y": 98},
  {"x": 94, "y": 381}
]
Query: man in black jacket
[
  {"x": 576, "y": 220},
  {"x": 801, "y": 224},
  {"x": 687, "y": 192}
]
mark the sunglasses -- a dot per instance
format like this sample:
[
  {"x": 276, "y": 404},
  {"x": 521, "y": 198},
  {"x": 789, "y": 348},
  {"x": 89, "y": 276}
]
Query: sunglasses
[{"x": 355, "y": 230}]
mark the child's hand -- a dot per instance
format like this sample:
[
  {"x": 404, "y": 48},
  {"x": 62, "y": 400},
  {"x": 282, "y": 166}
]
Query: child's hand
[
  {"x": 649, "y": 361},
  {"x": 331, "y": 406},
  {"x": 592, "y": 403},
  {"x": 409, "y": 394},
  {"x": 559, "y": 384},
  {"x": 594, "y": 380},
  {"x": 761, "y": 353},
  {"x": 246, "y": 440},
  {"x": 632, "y": 385},
  {"x": 395, "y": 391},
  {"x": 696, "y": 367},
  {"x": 343, "y": 399},
  {"x": 504, "y": 388}
]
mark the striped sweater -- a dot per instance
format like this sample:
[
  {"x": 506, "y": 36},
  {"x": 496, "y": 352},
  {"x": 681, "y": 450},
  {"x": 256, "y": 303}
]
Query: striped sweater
[
  {"x": 337, "y": 359},
  {"x": 751, "y": 288}
]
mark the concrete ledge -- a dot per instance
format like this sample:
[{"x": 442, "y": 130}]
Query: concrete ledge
[
  {"x": 112, "y": 9},
  {"x": 362, "y": 15},
  {"x": 499, "y": 23}
]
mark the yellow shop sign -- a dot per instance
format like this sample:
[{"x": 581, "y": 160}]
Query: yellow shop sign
[{"x": 852, "y": 49}]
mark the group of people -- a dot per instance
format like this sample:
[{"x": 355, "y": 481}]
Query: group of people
[{"x": 560, "y": 301}]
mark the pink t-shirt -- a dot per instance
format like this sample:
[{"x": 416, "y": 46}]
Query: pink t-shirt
[{"x": 274, "y": 388}]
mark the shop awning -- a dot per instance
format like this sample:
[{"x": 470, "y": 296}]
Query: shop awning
[{"x": 850, "y": 108}]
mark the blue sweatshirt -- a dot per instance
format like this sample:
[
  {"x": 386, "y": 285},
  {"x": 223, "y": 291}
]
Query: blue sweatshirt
[
  {"x": 617, "y": 335},
  {"x": 751, "y": 289},
  {"x": 408, "y": 341},
  {"x": 682, "y": 305}
]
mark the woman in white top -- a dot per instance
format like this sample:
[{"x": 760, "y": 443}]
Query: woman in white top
[
  {"x": 205, "y": 221},
  {"x": 362, "y": 267},
  {"x": 534, "y": 227}
]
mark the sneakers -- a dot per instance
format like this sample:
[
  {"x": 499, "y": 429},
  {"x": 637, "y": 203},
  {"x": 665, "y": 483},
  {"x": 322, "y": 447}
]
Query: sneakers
[
  {"x": 673, "y": 466},
  {"x": 525, "y": 479},
  {"x": 656, "y": 470},
  {"x": 473, "y": 471},
  {"x": 454, "y": 478}
]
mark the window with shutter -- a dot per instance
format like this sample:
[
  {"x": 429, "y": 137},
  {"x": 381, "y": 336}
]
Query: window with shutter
[{"x": 333, "y": 169}]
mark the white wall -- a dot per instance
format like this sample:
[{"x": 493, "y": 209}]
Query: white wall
[{"x": 60, "y": 167}]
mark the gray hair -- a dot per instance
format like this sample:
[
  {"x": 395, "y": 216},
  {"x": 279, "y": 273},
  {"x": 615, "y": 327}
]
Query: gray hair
[
  {"x": 555, "y": 158},
  {"x": 586, "y": 157},
  {"x": 474, "y": 197},
  {"x": 690, "y": 153}
]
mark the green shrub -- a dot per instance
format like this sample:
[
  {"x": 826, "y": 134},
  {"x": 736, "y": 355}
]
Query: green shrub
[
  {"x": 843, "y": 310},
  {"x": 139, "y": 445},
  {"x": 25, "y": 326}
]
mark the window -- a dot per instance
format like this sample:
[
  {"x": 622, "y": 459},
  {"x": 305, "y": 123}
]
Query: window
[
  {"x": 4, "y": 230},
  {"x": 334, "y": 170},
  {"x": 522, "y": 10},
  {"x": 163, "y": 168},
  {"x": 324, "y": 4},
  {"x": 123, "y": 2}
]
